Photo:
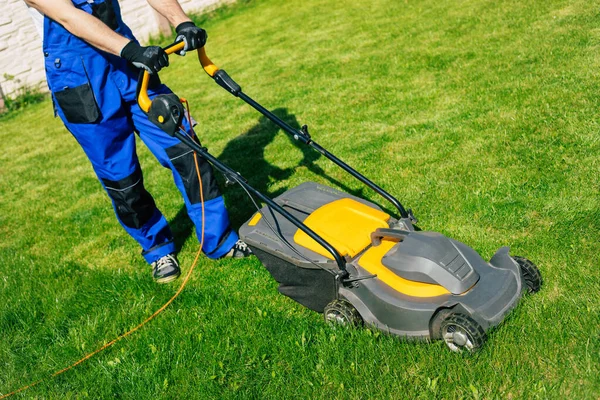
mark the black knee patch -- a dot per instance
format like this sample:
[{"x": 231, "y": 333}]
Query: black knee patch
[
  {"x": 182, "y": 158},
  {"x": 134, "y": 205}
]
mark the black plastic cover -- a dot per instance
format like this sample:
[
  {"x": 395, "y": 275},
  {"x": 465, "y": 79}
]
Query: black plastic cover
[
  {"x": 431, "y": 257},
  {"x": 166, "y": 112},
  {"x": 226, "y": 82}
]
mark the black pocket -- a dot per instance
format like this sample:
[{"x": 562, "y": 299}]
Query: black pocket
[
  {"x": 104, "y": 12},
  {"x": 78, "y": 104}
]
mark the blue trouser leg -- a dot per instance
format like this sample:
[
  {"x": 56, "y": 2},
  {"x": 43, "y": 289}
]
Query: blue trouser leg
[
  {"x": 109, "y": 143},
  {"x": 171, "y": 153},
  {"x": 110, "y": 147}
]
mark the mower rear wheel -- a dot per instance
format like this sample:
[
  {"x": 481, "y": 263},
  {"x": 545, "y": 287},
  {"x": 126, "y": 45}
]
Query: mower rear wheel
[
  {"x": 460, "y": 332},
  {"x": 531, "y": 274},
  {"x": 341, "y": 312}
]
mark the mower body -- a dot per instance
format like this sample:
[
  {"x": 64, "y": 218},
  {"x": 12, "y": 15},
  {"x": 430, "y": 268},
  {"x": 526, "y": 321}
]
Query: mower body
[
  {"x": 344, "y": 256},
  {"x": 400, "y": 280}
]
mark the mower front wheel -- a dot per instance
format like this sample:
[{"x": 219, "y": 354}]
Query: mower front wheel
[
  {"x": 341, "y": 312},
  {"x": 531, "y": 274},
  {"x": 461, "y": 332}
]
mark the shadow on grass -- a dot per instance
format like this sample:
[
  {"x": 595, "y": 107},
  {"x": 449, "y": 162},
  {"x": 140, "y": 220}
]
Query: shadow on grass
[
  {"x": 181, "y": 227},
  {"x": 246, "y": 155}
]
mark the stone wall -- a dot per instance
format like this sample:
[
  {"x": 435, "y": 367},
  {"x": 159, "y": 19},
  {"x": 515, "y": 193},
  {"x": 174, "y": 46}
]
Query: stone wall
[{"x": 21, "y": 60}]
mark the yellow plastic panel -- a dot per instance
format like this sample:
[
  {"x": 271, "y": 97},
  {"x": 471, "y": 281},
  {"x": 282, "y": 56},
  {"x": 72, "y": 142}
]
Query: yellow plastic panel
[
  {"x": 255, "y": 219},
  {"x": 371, "y": 261},
  {"x": 346, "y": 224}
]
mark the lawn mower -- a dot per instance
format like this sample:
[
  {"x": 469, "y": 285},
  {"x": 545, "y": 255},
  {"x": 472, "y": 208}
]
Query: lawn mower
[{"x": 347, "y": 258}]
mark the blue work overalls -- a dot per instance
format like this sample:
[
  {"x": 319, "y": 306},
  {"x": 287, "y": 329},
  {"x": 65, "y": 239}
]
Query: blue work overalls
[{"x": 94, "y": 95}]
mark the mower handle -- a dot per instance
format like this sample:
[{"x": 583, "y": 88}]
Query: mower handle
[
  {"x": 168, "y": 112},
  {"x": 210, "y": 68}
]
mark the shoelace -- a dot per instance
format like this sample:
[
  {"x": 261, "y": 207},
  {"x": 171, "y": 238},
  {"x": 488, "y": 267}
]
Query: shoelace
[
  {"x": 164, "y": 262},
  {"x": 242, "y": 246}
]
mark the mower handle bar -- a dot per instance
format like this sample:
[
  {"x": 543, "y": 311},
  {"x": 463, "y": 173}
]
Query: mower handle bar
[
  {"x": 210, "y": 68},
  {"x": 225, "y": 81}
]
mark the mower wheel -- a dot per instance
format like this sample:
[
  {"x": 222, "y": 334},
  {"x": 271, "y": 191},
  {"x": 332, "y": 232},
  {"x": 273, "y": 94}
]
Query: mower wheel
[
  {"x": 531, "y": 274},
  {"x": 341, "y": 312},
  {"x": 435, "y": 325},
  {"x": 461, "y": 332}
]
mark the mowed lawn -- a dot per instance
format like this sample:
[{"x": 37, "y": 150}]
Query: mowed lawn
[{"x": 481, "y": 116}]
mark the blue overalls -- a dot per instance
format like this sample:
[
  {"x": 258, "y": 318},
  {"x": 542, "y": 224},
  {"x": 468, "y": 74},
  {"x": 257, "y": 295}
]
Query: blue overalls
[{"x": 94, "y": 95}]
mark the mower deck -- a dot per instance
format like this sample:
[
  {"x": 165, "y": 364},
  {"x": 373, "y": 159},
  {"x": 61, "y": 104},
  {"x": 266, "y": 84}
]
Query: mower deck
[{"x": 399, "y": 280}]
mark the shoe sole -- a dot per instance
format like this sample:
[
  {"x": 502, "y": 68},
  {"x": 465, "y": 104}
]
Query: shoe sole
[
  {"x": 167, "y": 279},
  {"x": 233, "y": 256}
]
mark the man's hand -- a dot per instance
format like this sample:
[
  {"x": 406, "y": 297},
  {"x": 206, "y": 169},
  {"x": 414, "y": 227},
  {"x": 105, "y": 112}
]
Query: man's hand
[
  {"x": 193, "y": 37},
  {"x": 151, "y": 58}
]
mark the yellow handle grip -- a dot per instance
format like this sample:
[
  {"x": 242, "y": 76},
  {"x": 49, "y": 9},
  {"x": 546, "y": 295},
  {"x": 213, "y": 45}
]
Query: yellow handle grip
[
  {"x": 208, "y": 65},
  {"x": 143, "y": 99},
  {"x": 210, "y": 68}
]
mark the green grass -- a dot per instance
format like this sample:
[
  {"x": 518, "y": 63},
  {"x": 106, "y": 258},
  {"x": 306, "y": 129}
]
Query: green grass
[
  {"x": 22, "y": 98},
  {"x": 482, "y": 116}
]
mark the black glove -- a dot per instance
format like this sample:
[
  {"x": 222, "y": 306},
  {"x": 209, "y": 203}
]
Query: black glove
[
  {"x": 193, "y": 36},
  {"x": 151, "y": 58}
]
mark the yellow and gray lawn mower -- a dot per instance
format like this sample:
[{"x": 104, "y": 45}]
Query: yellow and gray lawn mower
[{"x": 345, "y": 257}]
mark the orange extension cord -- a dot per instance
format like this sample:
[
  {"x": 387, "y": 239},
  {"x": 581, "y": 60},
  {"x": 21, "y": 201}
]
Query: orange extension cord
[{"x": 156, "y": 313}]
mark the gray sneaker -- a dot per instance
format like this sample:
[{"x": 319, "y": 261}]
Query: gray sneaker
[
  {"x": 239, "y": 250},
  {"x": 166, "y": 269}
]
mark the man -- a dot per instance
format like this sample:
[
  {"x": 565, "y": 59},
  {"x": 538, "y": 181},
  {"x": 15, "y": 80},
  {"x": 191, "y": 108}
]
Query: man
[{"x": 91, "y": 58}]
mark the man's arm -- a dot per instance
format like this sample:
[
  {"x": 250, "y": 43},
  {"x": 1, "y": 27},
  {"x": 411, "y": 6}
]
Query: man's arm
[
  {"x": 82, "y": 24},
  {"x": 99, "y": 35},
  {"x": 193, "y": 36},
  {"x": 171, "y": 10}
]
